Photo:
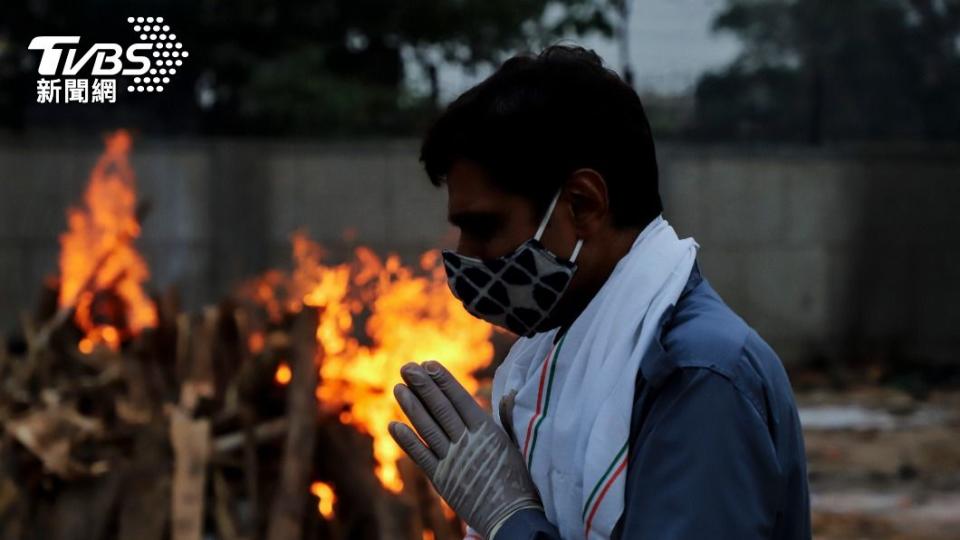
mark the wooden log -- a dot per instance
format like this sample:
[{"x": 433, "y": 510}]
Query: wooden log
[
  {"x": 139, "y": 405},
  {"x": 365, "y": 510},
  {"x": 229, "y": 351},
  {"x": 265, "y": 431},
  {"x": 40, "y": 340},
  {"x": 184, "y": 337},
  {"x": 223, "y": 514},
  {"x": 251, "y": 469},
  {"x": 157, "y": 350},
  {"x": 431, "y": 521},
  {"x": 199, "y": 382},
  {"x": 145, "y": 500},
  {"x": 81, "y": 510},
  {"x": 293, "y": 491},
  {"x": 190, "y": 439},
  {"x": 13, "y": 503}
]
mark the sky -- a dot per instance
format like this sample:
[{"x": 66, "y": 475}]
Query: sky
[{"x": 671, "y": 46}]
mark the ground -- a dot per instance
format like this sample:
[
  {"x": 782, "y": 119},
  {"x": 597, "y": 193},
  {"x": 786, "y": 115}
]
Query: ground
[{"x": 882, "y": 464}]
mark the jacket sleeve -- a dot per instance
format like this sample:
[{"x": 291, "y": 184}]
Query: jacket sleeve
[
  {"x": 529, "y": 524},
  {"x": 703, "y": 465}
]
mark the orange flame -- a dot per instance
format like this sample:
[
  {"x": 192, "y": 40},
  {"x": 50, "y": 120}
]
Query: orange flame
[
  {"x": 256, "y": 342},
  {"x": 410, "y": 316},
  {"x": 283, "y": 374},
  {"x": 97, "y": 253},
  {"x": 325, "y": 498}
]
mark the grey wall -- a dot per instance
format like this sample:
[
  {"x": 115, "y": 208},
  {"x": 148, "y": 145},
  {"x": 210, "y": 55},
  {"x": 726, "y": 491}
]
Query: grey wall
[
  {"x": 824, "y": 252},
  {"x": 828, "y": 252}
]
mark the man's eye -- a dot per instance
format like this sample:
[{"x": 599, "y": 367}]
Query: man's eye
[
  {"x": 479, "y": 227},
  {"x": 480, "y": 231}
]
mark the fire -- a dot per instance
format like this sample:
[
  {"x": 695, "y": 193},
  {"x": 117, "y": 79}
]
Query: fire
[
  {"x": 410, "y": 316},
  {"x": 101, "y": 273},
  {"x": 256, "y": 342},
  {"x": 325, "y": 498},
  {"x": 283, "y": 374}
]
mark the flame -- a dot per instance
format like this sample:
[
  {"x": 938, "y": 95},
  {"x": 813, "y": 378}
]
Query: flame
[
  {"x": 97, "y": 255},
  {"x": 325, "y": 498},
  {"x": 256, "y": 342},
  {"x": 410, "y": 316},
  {"x": 283, "y": 374}
]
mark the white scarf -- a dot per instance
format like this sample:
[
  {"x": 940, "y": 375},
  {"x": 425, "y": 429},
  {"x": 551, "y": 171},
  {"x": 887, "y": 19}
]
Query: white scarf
[{"x": 575, "y": 399}]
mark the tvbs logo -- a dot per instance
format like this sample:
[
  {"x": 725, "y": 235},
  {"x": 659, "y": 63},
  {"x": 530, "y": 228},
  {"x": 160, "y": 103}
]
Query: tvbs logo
[{"x": 148, "y": 64}]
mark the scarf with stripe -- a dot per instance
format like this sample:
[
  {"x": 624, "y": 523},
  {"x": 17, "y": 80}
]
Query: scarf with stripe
[{"x": 575, "y": 392}]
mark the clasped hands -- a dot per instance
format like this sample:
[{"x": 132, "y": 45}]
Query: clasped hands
[{"x": 470, "y": 460}]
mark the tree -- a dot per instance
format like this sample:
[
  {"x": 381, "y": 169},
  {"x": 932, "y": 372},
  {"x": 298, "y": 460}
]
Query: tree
[
  {"x": 292, "y": 67},
  {"x": 825, "y": 70}
]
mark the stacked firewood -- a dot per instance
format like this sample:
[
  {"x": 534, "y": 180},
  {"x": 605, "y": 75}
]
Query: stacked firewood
[{"x": 184, "y": 433}]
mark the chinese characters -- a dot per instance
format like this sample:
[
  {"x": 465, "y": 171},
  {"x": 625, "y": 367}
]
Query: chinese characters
[{"x": 76, "y": 91}]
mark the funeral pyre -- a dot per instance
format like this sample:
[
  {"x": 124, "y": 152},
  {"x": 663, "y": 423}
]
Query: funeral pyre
[{"x": 262, "y": 417}]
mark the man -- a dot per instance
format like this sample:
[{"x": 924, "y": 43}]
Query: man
[{"x": 635, "y": 404}]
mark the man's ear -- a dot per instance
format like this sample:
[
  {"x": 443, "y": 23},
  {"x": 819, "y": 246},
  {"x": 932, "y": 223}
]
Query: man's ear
[{"x": 586, "y": 192}]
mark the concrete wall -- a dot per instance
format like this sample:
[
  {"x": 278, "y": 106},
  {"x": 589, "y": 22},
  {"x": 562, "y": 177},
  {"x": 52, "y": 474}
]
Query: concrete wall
[
  {"x": 824, "y": 252},
  {"x": 828, "y": 253}
]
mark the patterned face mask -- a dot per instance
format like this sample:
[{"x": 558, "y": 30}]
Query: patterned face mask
[{"x": 516, "y": 291}]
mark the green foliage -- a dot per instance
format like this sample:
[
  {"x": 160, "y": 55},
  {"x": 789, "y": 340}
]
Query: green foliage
[{"x": 825, "y": 69}]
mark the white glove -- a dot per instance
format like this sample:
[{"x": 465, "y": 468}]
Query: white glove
[{"x": 472, "y": 463}]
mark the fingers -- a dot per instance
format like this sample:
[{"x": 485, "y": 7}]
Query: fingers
[
  {"x": 433, "y": 400},
  {"x": 425, "y": 425},
  {"x": 410, "y": 444},
  {"x": 466, "y": 406}
]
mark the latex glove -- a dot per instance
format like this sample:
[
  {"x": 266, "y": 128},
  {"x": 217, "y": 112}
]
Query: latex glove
[{"x": 472, "y": 463}]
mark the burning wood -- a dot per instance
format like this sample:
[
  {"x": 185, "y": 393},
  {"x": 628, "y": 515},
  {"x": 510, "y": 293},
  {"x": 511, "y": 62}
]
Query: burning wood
[
  {"x": 182, "y": 422},
  {"x": 288, "y": 505},
  {"x": 325, "y": 498},
  {"x": 409, "y": 315},
  {"x": 101, "y": 273}
]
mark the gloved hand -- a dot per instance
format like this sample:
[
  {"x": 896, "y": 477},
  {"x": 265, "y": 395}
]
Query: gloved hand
[{"x": 470, "y": 460}]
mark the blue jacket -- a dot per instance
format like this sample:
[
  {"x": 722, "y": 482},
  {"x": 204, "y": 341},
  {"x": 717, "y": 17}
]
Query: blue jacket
[{"x": 716, "y": 447}]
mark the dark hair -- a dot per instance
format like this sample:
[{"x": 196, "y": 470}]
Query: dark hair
[{"x": 537, "y": 119}]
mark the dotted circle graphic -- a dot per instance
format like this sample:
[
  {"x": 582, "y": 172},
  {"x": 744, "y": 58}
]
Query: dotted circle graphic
[{"x": 166, "y": 51}]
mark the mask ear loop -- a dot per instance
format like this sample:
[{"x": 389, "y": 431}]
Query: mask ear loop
[
  {"x": 576, "y": 250},
  {"x": 546, "y": 218}
]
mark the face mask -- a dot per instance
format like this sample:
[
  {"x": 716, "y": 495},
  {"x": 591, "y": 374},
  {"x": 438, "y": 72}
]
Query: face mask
[{"x": 516, "y": 291}]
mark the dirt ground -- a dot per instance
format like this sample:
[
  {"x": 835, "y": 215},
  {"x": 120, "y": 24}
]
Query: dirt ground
[{"x": 882, "y": 464}]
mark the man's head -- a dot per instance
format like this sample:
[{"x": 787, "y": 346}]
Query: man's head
[{"x": 559, "y": 121}]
